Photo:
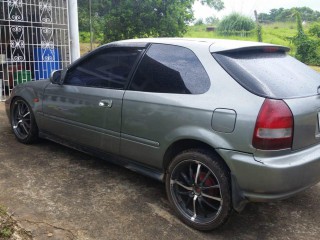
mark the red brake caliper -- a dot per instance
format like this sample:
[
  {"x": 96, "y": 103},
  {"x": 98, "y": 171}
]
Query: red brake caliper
[{"x": 208, "y": 183}]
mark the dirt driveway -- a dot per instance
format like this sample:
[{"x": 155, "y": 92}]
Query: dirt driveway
[{"x": 58, "y": 193}]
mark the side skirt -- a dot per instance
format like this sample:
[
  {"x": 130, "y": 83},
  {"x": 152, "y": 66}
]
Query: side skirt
[{"x": 117, "y": 160}]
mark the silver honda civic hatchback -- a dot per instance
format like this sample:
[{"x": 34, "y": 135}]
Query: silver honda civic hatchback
[{"x": 220, "y": 122}]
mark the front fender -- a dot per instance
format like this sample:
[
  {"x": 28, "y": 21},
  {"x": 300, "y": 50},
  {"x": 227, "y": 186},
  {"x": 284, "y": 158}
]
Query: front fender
[{"x": 32, "y": 93}]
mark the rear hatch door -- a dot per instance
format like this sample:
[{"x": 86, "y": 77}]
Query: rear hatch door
[{"x": 270, "y": 72}]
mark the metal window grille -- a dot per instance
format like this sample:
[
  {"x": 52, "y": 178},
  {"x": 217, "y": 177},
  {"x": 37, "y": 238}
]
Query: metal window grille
[{"x": 34, "y": 41}]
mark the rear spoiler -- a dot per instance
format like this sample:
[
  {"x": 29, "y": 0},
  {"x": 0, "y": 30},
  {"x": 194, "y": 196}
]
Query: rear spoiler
[{"x": 261, "y": 48}]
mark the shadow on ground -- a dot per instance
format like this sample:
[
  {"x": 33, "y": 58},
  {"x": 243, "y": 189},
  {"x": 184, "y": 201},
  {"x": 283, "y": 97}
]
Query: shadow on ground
[{"x": 58, "y": 193}]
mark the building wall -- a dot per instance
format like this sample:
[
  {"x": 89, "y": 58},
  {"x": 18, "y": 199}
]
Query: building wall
[{"x": 34, "y": 40}]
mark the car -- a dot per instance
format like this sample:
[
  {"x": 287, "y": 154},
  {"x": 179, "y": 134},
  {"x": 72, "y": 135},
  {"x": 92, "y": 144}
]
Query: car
[{"x": 221, "y": 122}]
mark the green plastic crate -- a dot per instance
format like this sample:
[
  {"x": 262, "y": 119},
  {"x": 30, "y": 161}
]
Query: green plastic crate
[{"x": 22, "y": 76}]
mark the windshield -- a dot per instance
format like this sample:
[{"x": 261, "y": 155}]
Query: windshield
[{"x": 272, "y": 75}]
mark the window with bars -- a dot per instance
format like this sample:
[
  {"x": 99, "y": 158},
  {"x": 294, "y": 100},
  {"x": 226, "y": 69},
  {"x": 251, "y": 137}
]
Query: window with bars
[{"x": 34, "y": 40}]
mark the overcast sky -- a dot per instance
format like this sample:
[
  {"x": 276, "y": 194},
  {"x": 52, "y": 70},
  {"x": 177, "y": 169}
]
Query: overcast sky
[{"x": 248, "y": 6}]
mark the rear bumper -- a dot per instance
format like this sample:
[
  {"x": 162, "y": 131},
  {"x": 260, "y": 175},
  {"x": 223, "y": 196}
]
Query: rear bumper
[{"x": 274, "y": 178}]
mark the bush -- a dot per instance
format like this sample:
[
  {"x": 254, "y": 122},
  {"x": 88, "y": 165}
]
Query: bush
[
  {"x": 84, "y": 37},
  {"x": 307, "y": 48},
  {"x": 199, "y": 22},
  {"x": 259, "y": 33},
  {"x": 307, "y": 51},
  {"x": 235, "y": 22},
  {"x": 314, "y": 30}
]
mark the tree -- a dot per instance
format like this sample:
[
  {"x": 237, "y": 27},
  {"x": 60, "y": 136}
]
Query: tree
[
  {"x": 123, "y": 19},
  {"x": 283, "y": 15},
  {"x": 216, "y": 4},
  {"x": 199, "y": 22},
  {"x": 212, "y": 20},
  {"x": 264, "y": 17},
  {"x": 274, "y": 13}
]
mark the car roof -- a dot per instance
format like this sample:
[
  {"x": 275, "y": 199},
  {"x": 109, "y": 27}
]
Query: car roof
[{"x": 215, "y": 45}]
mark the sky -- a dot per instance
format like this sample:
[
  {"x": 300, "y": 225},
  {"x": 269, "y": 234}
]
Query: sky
[{"x": 247, "y": 7}]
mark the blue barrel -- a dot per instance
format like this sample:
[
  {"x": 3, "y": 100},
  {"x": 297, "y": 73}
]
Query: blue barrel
[{"x": 46, "y": 60}]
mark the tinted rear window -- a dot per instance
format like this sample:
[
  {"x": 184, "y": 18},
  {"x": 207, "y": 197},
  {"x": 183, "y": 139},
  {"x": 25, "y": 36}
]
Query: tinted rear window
[{"x": 273, "y": 75}]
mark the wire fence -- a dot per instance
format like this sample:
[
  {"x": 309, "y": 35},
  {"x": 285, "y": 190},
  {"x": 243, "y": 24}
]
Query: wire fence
[{"x": 238, "y": 33}]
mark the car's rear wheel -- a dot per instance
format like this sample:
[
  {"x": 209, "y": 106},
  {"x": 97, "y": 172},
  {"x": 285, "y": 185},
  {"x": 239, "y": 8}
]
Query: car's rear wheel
[
  {"x": 198, "y": 187},
  {"x": 23, "y": 122}
]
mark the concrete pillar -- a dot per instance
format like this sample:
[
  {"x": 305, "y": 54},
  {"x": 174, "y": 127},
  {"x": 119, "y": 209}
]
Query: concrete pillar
[{"x": 74, "y": 30}]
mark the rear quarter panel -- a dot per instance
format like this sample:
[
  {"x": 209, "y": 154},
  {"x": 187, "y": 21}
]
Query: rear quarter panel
[
  {"x": 151, "y": 122},
  {"x": 306, "y": 123}
]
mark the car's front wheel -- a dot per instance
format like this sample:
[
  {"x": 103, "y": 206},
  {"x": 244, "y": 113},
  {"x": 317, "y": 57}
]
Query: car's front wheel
[
  {"x": 198, "y": 187},
  {"x": 23, "y": 122}
]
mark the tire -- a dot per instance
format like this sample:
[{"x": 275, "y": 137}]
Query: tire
[
  {"x": 23, "y": 123},
  {"x": 198, "y": 187}
]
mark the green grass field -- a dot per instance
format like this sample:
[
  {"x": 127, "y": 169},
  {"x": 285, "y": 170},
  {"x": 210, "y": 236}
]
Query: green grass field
[{"x": 275, "y": 33}]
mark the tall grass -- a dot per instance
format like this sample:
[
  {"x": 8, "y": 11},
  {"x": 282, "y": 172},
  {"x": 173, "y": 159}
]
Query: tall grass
[{"x": 235, "y": 24}]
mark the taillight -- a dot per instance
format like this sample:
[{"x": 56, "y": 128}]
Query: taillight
[{"x": 274, "y": 126}]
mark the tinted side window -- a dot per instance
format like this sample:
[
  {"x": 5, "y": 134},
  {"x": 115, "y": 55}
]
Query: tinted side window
[
  {"x": 106, "y": 69},
  {"x": 170, "y": 69}
]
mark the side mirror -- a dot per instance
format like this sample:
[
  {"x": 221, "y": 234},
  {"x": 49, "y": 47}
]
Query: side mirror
[{"x": 55, "y": 77}]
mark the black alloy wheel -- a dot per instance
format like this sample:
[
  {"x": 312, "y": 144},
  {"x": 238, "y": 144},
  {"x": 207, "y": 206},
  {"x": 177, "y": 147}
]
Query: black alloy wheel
[
  {"x": 22, "y": 121},
  {"x": 198, "y": 187}
]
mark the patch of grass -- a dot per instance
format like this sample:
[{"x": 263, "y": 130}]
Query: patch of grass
[
  {"x": 85, "y": 48},
  {"x": 317, "y": 68},
  {"x": 2, "y": 211},
  {"x": 6, "y": 224},
  {"x": 6, "y": 232}
]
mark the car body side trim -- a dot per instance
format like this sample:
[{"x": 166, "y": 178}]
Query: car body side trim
[
  {"x": 146, "y": 170},
  {"x": 140, "y": 140},
  {"x": 85, "y": 126}
]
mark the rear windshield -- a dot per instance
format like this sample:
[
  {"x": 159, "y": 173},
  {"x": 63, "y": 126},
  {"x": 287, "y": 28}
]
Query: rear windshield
[{"x": 272, "y": 75}]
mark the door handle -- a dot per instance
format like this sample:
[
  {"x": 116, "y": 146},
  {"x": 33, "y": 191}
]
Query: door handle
[{"x": 105, "y": 103}]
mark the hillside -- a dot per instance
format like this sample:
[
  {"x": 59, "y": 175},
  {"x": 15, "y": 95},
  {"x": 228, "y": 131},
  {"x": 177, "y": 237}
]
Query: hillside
[{"x": 275, "y": 33}]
